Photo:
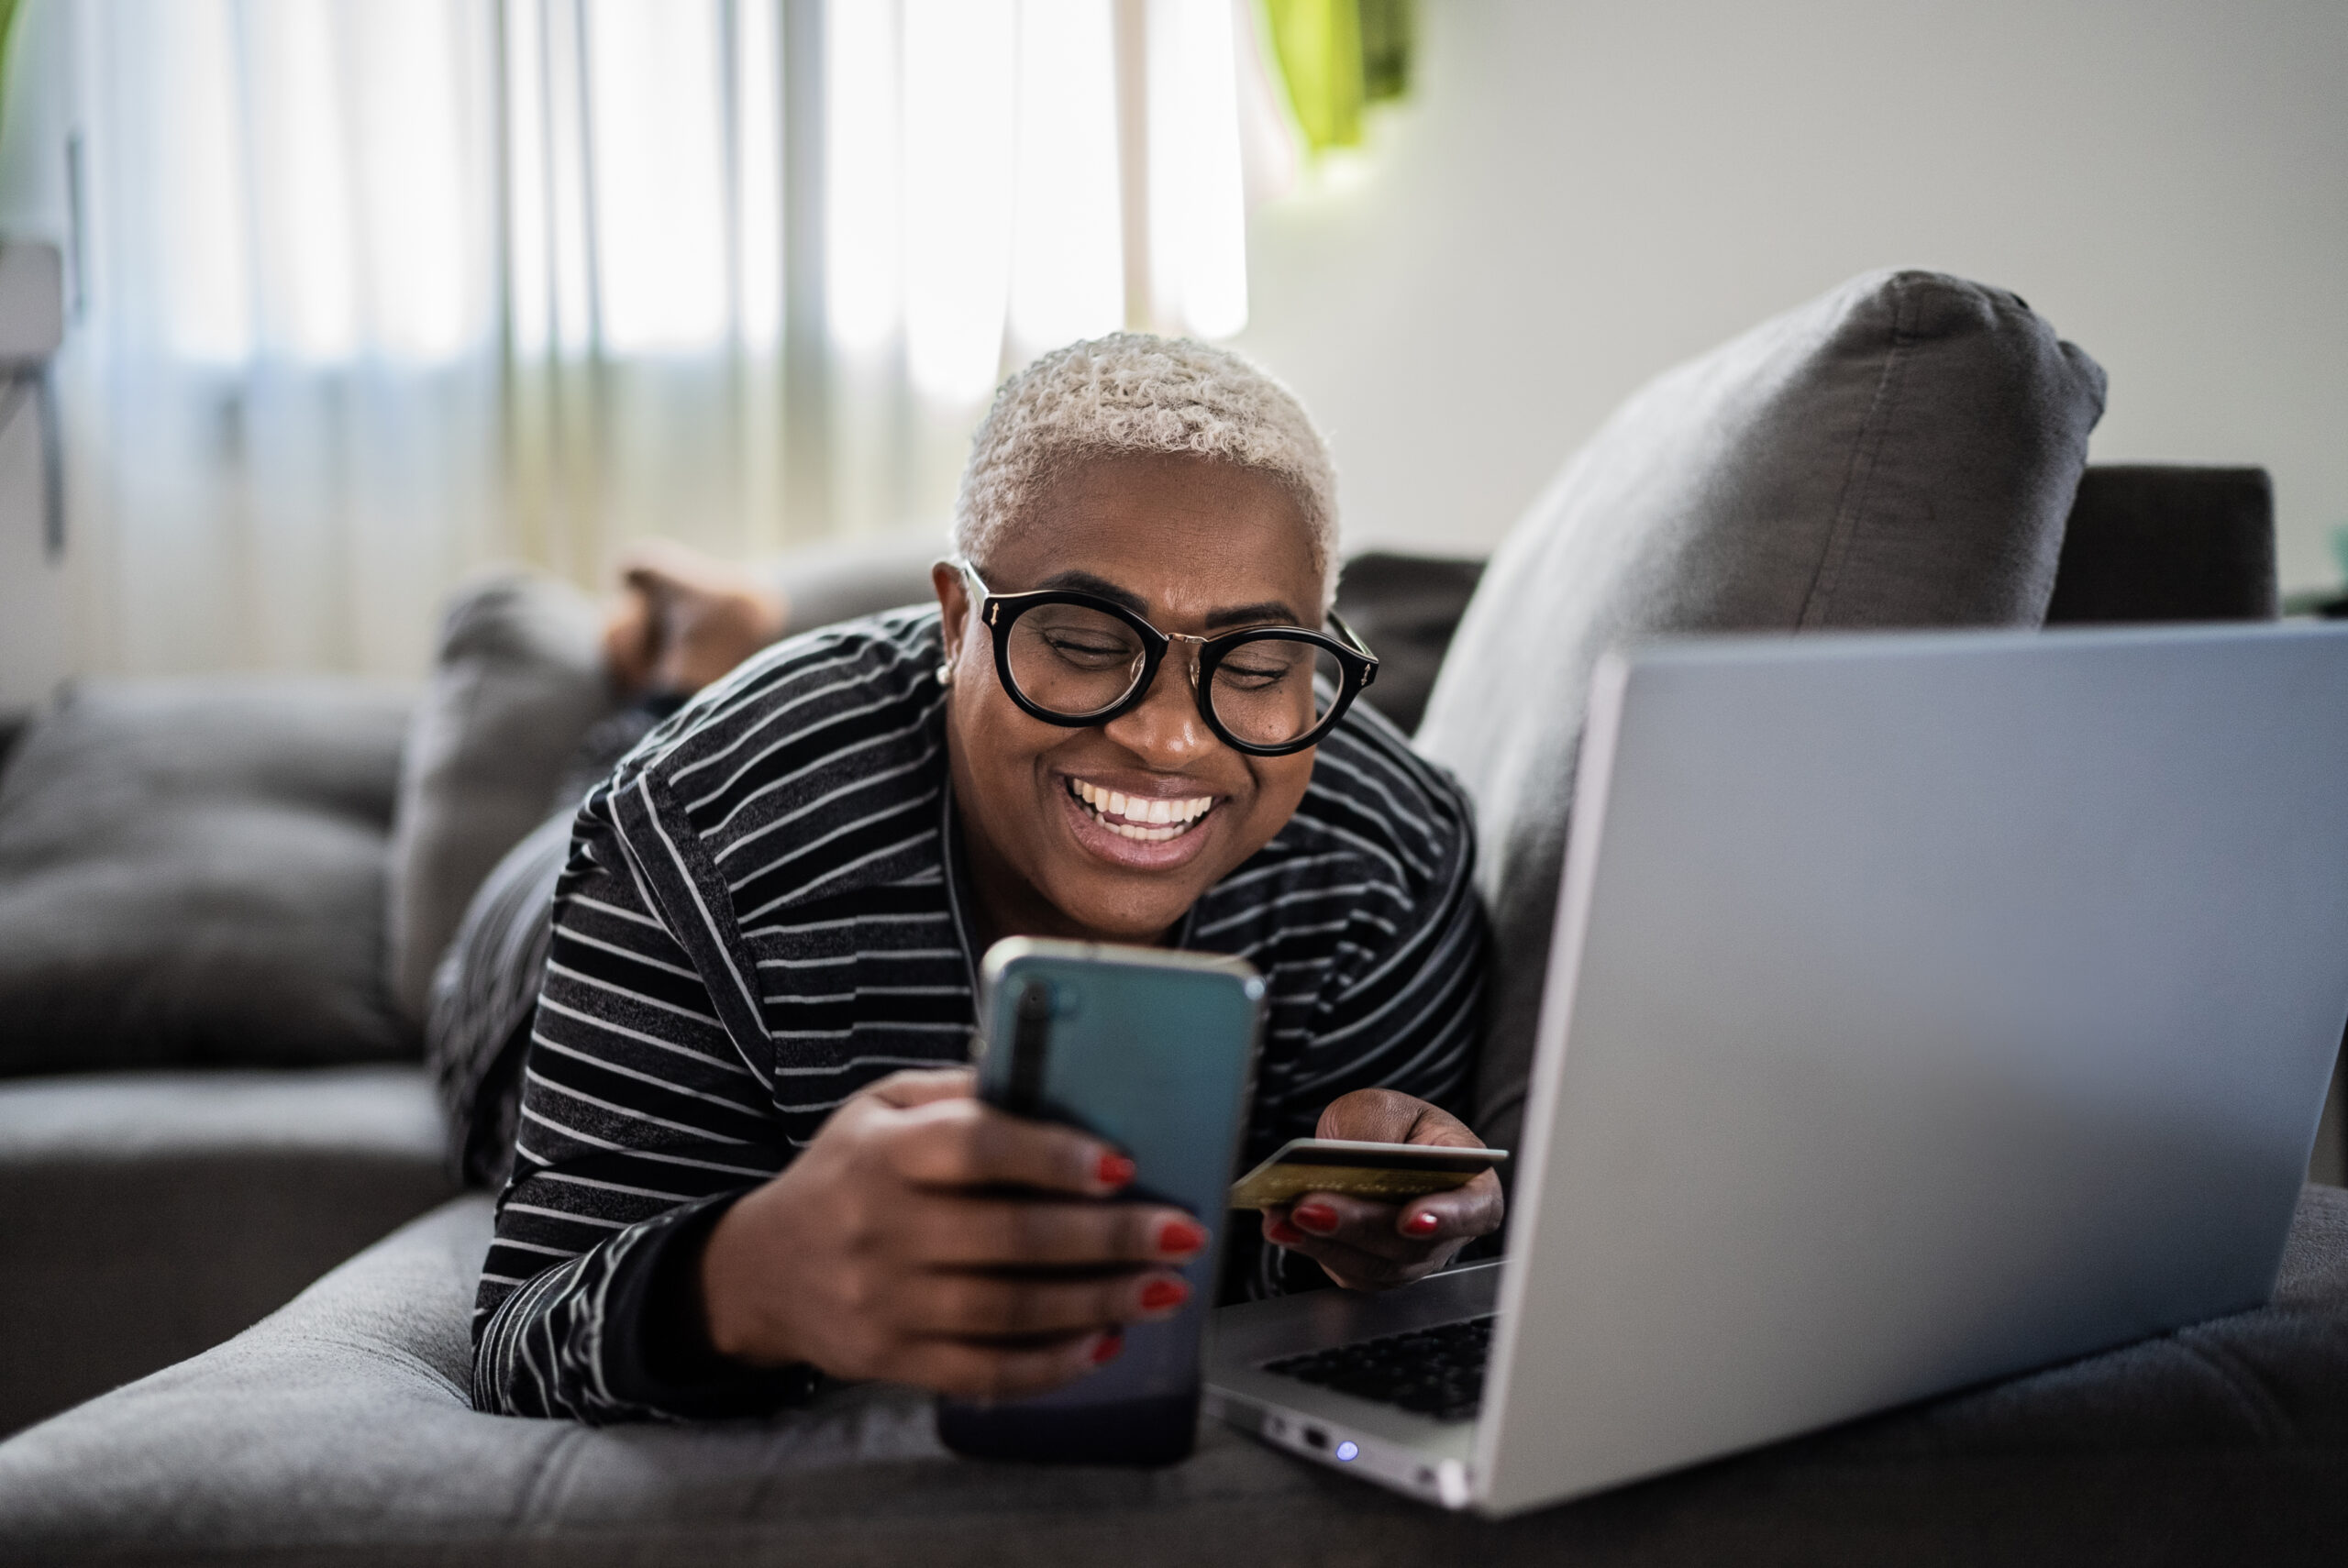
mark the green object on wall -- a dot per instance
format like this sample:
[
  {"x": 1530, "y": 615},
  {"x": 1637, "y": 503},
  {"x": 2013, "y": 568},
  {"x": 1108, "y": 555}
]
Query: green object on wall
[
  {"x": 1337, "y": 56},
  {"x": 8, "y": 11}
]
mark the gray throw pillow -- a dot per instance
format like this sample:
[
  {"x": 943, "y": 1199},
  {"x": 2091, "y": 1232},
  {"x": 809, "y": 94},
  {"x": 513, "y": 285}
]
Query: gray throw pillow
[
  {"x": 191, "y": 872},
  {"x": 517, "y": 682},
  {"x": 1901, "y": 452}
]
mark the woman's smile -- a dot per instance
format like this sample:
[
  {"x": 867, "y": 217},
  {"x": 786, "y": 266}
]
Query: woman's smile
[
  {"x": 1134, "y": 824},
  {"x": 1147, "y": 819}
]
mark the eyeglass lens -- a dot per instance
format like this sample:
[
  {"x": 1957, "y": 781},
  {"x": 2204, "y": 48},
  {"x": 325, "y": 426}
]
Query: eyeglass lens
[{"x": 1076, "y": 661}]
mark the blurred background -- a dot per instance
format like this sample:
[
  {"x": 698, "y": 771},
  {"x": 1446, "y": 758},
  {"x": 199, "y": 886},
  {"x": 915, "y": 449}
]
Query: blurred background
[{"x": 358, "y": 295}]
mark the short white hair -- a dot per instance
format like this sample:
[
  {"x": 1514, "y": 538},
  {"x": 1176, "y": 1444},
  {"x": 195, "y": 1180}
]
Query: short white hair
[{"x": 1131, "y": 392}]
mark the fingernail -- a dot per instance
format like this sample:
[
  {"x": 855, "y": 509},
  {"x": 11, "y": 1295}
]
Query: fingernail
[
  {"x": 1317, "y": 1218},
  {"x": 1181, "y": 1236},
  {"x": 1160, "y": 1294},
  {"x": 1114, "y": 1169},
  {"x": 1282, "y": 1232},
  {"x": 1106, "y": 1347},
  {"x": 1422, "y": 1223}
]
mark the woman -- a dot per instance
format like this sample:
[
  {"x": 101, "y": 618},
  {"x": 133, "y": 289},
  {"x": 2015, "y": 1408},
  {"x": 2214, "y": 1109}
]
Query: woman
[{"x": 748, "y": 1155}]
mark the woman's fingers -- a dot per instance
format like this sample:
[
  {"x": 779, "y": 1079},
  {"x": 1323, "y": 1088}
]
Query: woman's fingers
[
  {"x": 1357, "y": 1224},
  {"x": 968, "y": 1370},
  {"x": 1366, "y": 1245},
  {"x": 924, "y": 1237},
  {"x": 922, "y": 1085},
  {"x": 985, "y": 1306},
  {"x": 1375, "y": 1244},
  {"x": 1467, "y": 1212},
  {"x": 1350, "y": 1266},
  {"x": 959, "y": 1231},
  {"x": 1389, "y": 1116},
  {"x": 954, "y": 1141}
]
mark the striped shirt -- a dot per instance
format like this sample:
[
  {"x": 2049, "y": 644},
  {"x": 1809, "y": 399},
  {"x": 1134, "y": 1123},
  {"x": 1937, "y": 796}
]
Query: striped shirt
[{"x": 764, "y": 910}]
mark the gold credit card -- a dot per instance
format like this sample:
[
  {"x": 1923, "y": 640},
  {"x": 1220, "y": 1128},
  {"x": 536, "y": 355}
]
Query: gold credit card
[{"x": 1380, "y": 1172}]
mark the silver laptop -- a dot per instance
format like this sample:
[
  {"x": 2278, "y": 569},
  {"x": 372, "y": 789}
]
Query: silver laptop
[{"x": 1922, "y": 1009}]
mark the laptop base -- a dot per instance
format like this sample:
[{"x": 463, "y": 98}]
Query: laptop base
[{"x": 1420, "y": 1457}]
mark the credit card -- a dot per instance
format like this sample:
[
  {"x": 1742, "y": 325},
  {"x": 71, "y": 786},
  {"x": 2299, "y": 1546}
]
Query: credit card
[{"x": 1381, "y": 1173}]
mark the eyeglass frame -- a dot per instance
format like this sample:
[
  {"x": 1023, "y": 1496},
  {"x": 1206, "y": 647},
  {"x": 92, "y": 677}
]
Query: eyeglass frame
[{"x": 1357, "y": 666}]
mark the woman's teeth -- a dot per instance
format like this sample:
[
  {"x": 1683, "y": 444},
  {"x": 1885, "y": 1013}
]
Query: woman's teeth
[{"x": 1143, "y": 818}]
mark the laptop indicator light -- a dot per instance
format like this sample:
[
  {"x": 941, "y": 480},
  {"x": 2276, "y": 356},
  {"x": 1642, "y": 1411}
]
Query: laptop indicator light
[{"x": 1347, "y": 1450}]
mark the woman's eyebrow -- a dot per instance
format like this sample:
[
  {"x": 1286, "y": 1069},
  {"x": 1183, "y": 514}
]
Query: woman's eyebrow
[
  {"x": 1237, "y": 615},
  {"x": 1245, "y": 615},
  {"x": 1085, "y": 582}
]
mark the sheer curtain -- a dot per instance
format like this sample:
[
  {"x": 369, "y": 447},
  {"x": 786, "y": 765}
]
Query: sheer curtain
[
  {"x": 283, "y": 399},
  {"x": 378, "y": 290}
]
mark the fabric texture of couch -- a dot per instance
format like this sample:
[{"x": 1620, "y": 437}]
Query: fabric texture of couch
[
  {"x": 191, "y": 872},
  {"x": 146, "y": 1216},
  {"x": 517, "y": 679},
  {"x": 1901, "y": 452},
  {"x": 337, "y": 1431}
]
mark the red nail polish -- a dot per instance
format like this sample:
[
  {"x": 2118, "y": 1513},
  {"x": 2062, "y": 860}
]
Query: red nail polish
[
  {"x": 1422, "y": 1224},
  {"x": 1283, "y": 1234},
  {"x": 1181, "y": 1236},
  {"x": 1317, "y": 1218},
  {"x": 1114, "y": 1170},
  {"x": 1160, "y": 1294},
  {"x": 1106, "y": 1347}
]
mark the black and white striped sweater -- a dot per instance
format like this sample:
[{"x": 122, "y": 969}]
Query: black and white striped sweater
[{"x": 762, "y": 913}]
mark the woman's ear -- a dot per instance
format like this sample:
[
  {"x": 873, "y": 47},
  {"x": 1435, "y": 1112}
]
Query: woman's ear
[
  {"x": 953, "y": 599},
  {"x": 953, "y": 605}
]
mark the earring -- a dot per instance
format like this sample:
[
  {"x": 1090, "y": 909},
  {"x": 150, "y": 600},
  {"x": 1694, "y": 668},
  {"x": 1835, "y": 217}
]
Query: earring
[{"x": 946, "y": 672}]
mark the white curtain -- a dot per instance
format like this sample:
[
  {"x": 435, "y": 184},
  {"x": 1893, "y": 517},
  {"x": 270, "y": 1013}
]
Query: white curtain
[
  {"x": 283, "y": 399},
  {"x": 378, "y": 290}
]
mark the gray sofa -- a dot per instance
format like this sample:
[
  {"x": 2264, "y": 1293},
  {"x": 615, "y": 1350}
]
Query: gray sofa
[
  {"x": 337, "y": 1431},
  {"x": 205, "y": 1099}
]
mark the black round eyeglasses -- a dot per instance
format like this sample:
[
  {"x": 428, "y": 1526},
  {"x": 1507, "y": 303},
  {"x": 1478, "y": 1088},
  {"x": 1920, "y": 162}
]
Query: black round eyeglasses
[{"x": 1074, "y": 659}]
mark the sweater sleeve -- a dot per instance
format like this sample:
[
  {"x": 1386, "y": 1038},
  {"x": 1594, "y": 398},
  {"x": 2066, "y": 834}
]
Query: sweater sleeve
[
  {"x": 640, "y": 1122},
  {"x": 1402, "y": 1011}
]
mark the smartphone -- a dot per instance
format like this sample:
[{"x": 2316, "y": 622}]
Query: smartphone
[
  {"x": 1382, "y": 1173},
  {"x": 1153, "y": 1052}
]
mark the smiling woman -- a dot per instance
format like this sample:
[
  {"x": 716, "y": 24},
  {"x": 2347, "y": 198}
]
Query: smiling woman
[{"x": 748, "y": 1157}]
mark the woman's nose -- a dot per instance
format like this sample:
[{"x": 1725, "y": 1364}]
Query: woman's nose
[{"x": 1164, "y": 729}]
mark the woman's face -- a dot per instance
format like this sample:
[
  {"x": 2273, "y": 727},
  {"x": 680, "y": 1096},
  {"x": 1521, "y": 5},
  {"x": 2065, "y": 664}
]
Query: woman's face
[{"x": 1194, "y": 545}]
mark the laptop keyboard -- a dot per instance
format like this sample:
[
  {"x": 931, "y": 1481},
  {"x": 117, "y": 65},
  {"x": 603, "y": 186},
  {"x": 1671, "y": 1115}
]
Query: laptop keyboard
[{"x": 1436, "y": 1372}]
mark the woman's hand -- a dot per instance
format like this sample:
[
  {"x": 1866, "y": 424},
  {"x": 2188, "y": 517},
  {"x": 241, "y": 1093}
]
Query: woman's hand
[
  {"x": 1375, "y": 1247},
  {"x": 889, "y": 1248}
]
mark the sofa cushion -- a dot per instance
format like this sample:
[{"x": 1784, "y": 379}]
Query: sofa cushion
[
  {"x": 517, "y": 681},
  {"x": 1901, "y": 452},
  {"x": 1405, "y": 608},
  {"x": 192, "y": 872},
  {"x": 338, "y": 1432},
  {"x": 2167, "y": 542},
  {"x": 150, "y": 1215}
]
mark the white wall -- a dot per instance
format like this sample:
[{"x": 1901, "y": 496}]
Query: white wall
[{"x": 1587, "y": 190}]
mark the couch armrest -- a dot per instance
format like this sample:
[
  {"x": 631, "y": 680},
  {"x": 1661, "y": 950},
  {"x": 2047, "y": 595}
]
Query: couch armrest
[{"x": 146, "y": 1216}]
